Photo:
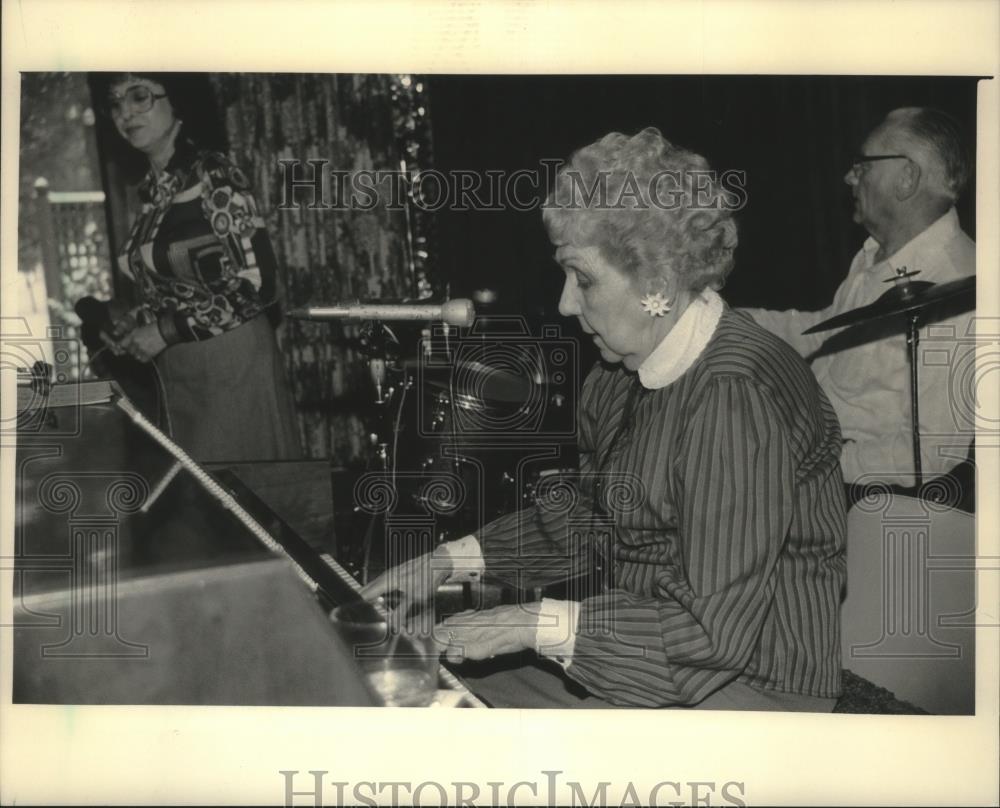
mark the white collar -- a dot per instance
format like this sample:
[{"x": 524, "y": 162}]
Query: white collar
[
  {"x": 934, "y": 235},
  {"x": 684, "y": 342}
]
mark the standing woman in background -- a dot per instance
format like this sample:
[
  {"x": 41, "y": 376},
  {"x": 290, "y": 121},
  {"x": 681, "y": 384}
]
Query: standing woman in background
[{"x": 204, "y": 274}]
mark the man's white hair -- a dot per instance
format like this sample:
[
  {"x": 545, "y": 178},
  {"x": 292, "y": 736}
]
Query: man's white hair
[{"x": 935, "y": 141}]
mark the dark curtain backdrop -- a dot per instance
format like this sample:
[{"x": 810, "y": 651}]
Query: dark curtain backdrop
[
  {"x": 792, "y": 135},
  {"x": 325, "y": 255}
]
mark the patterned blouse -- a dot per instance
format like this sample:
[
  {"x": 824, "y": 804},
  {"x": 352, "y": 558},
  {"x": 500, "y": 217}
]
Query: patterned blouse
[{"x": 198, "y": 251}]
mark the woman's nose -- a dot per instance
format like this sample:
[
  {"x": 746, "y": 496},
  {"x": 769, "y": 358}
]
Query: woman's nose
[
  {"x": 851, "y": 177},
  {"x": 568, "y": 306}
]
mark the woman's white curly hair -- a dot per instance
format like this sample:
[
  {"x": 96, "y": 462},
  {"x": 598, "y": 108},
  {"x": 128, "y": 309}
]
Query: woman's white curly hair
[{"x": 663, "y": 210}]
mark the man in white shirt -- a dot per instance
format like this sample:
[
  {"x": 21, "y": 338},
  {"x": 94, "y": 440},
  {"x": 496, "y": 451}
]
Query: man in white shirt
[{"x": 911, "y": 170}]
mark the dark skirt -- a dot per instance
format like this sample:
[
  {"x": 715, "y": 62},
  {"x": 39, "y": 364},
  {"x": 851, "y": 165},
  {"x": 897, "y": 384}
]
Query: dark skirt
[{"x": 227, "y": 398}]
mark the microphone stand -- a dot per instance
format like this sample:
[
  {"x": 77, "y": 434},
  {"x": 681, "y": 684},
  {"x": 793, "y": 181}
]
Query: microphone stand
[{"x": 375, "y": 345}]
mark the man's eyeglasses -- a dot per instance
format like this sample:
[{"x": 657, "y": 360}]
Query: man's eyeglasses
[
  {"x": 859, "y": 161},
  {"x": 135, "y": 99}
]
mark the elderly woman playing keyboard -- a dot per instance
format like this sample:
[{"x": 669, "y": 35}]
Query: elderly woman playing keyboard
[{"x": 710, "y": 481}]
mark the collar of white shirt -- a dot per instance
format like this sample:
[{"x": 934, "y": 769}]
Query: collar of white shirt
[
  {"x": 684, "y": 343},
  {"x": 936, "y": 235}
]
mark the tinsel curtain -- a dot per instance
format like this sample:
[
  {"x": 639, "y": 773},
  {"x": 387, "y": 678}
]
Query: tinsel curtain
[{"x": 354, "y": 122}]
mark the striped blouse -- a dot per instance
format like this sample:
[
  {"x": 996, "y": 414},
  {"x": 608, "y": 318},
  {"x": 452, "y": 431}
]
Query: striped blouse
[{"x": 721, "y": 512}]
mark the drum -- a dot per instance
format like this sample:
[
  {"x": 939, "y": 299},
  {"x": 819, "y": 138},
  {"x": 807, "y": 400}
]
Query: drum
[{"x": 465, "y": 439}]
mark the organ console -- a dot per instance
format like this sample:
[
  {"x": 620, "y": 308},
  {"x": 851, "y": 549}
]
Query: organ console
[{"x": 138, "y": 583}]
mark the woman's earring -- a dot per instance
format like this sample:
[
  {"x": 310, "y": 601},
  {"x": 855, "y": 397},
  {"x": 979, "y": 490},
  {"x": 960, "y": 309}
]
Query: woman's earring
[{"x": 655, "y": 304}]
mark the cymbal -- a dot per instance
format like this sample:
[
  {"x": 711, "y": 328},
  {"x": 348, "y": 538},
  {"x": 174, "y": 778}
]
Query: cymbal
[{"x": 901, "y": 299}]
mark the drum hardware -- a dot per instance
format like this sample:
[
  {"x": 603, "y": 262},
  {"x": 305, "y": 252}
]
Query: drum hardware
[
  {"x": 379, "y": 343},
  {"x": 439, "y": 413},
  {"x": 439, "y": 502},
  {"x": 905, "y": 297},
  {"x": 449, "y": 428},
  {"x": 901, "y": 275},
  {"x": 914, "y": 300},
  {"x": 542, "y": 478}
]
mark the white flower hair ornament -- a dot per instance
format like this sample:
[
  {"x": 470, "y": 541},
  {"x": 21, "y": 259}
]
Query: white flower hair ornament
[{"x": 655, "y": 304}]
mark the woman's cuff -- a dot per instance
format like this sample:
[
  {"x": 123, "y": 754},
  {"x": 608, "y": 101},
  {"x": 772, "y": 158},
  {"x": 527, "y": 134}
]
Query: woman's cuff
[
  {"x": 168, "y": 328},
  {"x": 466, "y": 558},
  {"x": 555, "y": 634}
]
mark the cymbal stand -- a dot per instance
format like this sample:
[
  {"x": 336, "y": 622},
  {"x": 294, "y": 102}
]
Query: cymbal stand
[
  {"x": 912, "y": 341},
  {"x": 913, "y": 301},
  {"x": 903, "y": 284}
]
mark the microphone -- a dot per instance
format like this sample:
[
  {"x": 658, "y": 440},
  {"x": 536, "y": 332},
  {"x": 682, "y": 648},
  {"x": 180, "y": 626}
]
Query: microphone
[
  {"x": 91, "y": 310},
  {"x": 95, "y": 322},
  {"x": 458, "y": 312},
  {"x": 100, "y": 319}
]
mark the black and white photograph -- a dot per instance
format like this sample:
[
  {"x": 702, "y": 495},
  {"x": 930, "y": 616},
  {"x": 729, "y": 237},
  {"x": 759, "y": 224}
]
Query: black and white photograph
[{"x": 498, "y": 397}]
